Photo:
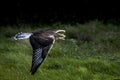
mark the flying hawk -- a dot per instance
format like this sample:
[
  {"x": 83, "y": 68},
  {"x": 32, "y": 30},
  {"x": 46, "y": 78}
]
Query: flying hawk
[{"x": 41, "y": 42}]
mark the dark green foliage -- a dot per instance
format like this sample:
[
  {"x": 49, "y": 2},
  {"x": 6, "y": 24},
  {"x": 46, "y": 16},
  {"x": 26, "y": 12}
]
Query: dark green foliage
[{"x": 91, "y": 51}]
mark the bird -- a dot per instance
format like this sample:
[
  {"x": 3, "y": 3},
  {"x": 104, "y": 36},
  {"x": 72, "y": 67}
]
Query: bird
[{"x": 41, "y": 42}]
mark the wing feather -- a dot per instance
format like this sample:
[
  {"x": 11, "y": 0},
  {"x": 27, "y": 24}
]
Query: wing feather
[{"x": 40, "y": 51}]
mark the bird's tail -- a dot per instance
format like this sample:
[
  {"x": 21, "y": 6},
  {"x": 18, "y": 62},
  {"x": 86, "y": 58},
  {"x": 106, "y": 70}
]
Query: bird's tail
[{"x": 22, "y": 35}]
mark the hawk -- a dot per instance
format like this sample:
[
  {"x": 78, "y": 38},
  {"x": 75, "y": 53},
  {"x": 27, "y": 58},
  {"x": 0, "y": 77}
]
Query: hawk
[{"x": 41, "y": 42}]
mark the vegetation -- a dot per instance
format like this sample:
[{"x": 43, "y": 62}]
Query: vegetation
[{"x": 91, "y": 51}]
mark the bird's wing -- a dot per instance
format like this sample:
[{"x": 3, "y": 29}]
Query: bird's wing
[{"x": 41, "y": 47}]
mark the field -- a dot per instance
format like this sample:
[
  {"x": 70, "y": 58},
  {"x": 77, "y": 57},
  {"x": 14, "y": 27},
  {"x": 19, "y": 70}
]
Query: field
[{"x": 91, "y": 51}]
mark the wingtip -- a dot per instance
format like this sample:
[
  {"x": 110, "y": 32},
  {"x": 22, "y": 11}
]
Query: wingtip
[
  {"x": 34, "y": 69},
  {"x": 32, "y": 72}
]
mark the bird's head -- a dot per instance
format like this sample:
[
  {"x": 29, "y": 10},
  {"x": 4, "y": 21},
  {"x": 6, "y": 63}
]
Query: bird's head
[
  {"x": 59, "y": 34},
  {"x": 52, "y": 33}
]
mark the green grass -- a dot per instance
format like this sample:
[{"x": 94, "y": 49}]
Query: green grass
[{"x": 91, "y": 51}]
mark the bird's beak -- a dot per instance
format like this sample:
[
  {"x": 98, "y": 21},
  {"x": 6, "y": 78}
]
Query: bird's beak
[
  {"x": 60, "y": 35},
  {"x": 57, "y": 31}
]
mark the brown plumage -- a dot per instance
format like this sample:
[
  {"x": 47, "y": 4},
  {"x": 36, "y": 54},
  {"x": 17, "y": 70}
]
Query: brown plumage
[{"x": 41, "y": 42}]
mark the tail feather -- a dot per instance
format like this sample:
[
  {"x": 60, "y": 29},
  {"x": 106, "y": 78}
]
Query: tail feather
[{"x": 22, "y": 35}]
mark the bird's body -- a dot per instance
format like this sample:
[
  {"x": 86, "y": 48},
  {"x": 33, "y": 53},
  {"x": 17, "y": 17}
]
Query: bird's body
[{"x": 41, "y": 42}]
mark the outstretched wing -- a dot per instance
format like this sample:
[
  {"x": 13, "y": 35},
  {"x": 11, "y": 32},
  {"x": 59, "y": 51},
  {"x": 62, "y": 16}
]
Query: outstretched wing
[{"x": 41, "y": 47}]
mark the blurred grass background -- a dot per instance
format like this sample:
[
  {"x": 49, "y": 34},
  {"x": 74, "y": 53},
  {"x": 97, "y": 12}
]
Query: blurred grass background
[{"x": 91, "y": 51}]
